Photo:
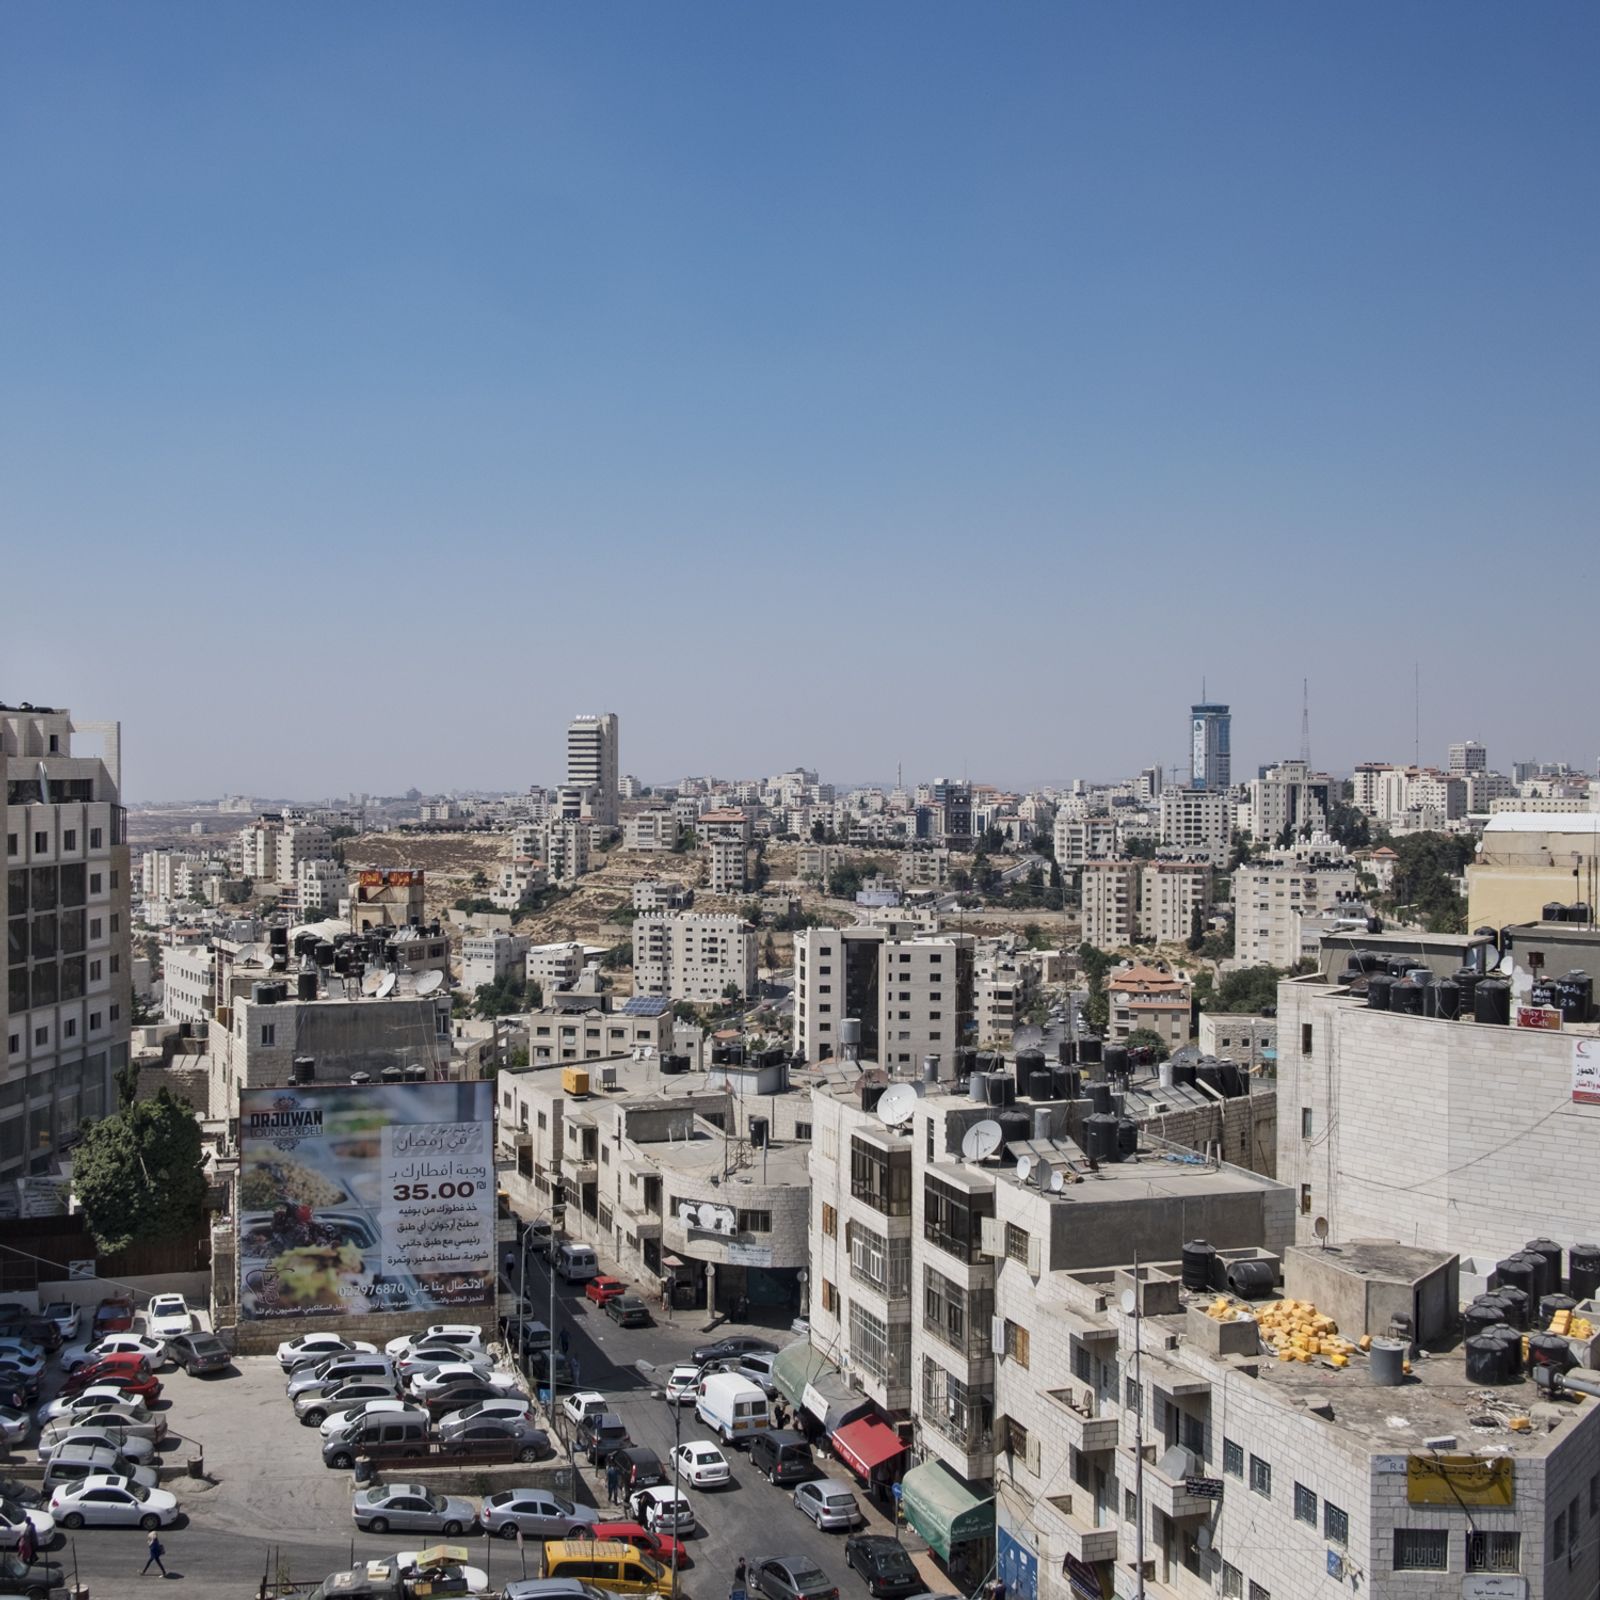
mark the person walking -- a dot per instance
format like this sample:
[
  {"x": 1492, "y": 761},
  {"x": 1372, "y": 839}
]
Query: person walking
[
  {"x": 157, "y": 1550},
  {"x": 27, "y": 1545},
  {"x": 613, "y": 1481}
]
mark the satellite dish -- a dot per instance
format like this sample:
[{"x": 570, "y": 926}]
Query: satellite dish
[
  {"x": 1320, "y": 1228},
  {"x": 897, "y": 1104},
  {"x": 373, "y": 982},
  {"x": 249, "y": 955},
  {"x": 981, "y": 1140},
  {"x": 1508, "y": 963},
  {"x": 1202, "y": 1538},
  {"x": 387, "y": 985},
  {"x": 430, "y": 983},
  {"x": 1129, "y": 1301},
  {"x": 1058, "y": 1180},
  {"x": 1024, "y": 1168}
]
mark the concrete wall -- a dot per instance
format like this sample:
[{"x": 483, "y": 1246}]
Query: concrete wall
[{"x": 1246, "y": 1127}]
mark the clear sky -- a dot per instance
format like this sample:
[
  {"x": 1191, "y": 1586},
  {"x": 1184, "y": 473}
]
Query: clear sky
[{"x": 380, "y": 384}]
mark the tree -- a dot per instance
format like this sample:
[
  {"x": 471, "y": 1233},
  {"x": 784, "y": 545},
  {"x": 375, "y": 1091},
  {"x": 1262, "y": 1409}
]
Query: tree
[
  {"x": 1096, "y": 964},
  {"x": 1148, "y": 1039},
  {"x": 732, "y": 993},
  {"x": 769, "y": 954},
  {"x": 619, "y": 955},
  {"x": 1044, "y": 844},
  {"x": 137, "y": 1175},
  {"x": 845, "y": 880},
  {"x": 991, "y": 842},
  {"x": 1247, "y": 989},
  {"x": 1139, "y": 849},
  {"x": 816, "y": 831},
  {"x": 505, "y": 996},
  {"x": 1425, "y": 879},
  {"x": 684, "y": 843},
  {"x": 1348, "y": 826}
]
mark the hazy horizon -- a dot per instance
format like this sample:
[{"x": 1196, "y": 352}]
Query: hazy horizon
[{"x": 842, "y": 386}]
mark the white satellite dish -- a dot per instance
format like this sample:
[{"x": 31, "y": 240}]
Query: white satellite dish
[
  {"x": 897, "y": 1105},
  {"x": 373, "y": 982},
  {"x": 981, "y": 1140},
  {"x": 1508, "y": 964},
  {"x": 430, "y": 983},
  {"x": 387, "y": 985},
  {"x": 1129, "y": 1301},
  {"x": 1024, "y": 1168},
  {"x": 1058, "y": 1180}
]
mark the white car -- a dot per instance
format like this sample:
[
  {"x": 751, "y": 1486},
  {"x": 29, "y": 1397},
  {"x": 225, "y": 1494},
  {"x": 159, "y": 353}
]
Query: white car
[
  {"x": 119, "y": 1420},
  {"x": 314, "y": 1346},
  {"x": 682, "y": 1386},
  {"x": 14, "y": 1426},
  {"x": 338, "y": 1421},
  {"x": 464, "y": 1335},
  {"x": 67, "y": 1317},
  {"x": 440, "y": 1355},
  {"x": 14, "y": 1518},
  {"x": 137, "y": 1449},
  {"x": 662, "y": 1510},
  {"x": 97, "y": 1397},
  {"x": 168, "y": 1317},
  {"x": 513, "y": 1408},
  {"x": 116, "y": 1344},
  {"x": 702, "y": 1464},
  {"x": 424, "y": 1384},
  {"x": 584, "y": 1403},
  {"x": 103, "y": 1500},
  {"x": 26, "y": 1358}
]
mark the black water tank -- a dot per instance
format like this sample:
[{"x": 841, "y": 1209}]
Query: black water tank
[
  {"x": 264, "y": 994},
  {"x": 1399, "y": 966},
  {"x": 1476, "y": 1319},
  {"x": 1553, "y": 911},
  {"x": 1379, "y": 986},
  {"x": 1127, "y": 1137},
  {"x": 871, "y": 1094},
  {"x": 1116, "y": 1060},
  {"x": 1234, "y": 1081},
  {"x": 1406, "y": 997},
  {"x": 1574, "y": 995},
  {"x": 1041, "y": 1085},
  {"x": 361, "y": 1077},
  {"x": 1551, "y": 1303},
  {"x": 306, "y": 985},
  {"x": 391, "y": 1075},
  {"x": 758, "y": 1133},
  {"x": 1252, "y": 1280},
  {"x": 1447, "y": 999},
  {"x": 1583, "y": 1271},
  {"x": 1199, "y": 1265},
  {"x": 341, "y": 961},
  {"x": 1520, "y": 1272},
  {"x": 278, "y": 938},
  {"x": 1185, "y": 1073},
  {"x": 1511, "y": 1342},
  {"x": 1208, "y": 1072},
  {"x": 1028, "y": 1063},
  {"x": 1486, "y": 1360},
  {"x": 1519, "y": 1307},
  {"x": 1491, "y": 1002},
  {"x": 1002, "y": 1089},
  {"x": 1090, "y": 1049},
  {"x": 1578, "y": 911},
  {"x": 1100, "y": 1137},
  {"x": 1550, "y": 1350},
  {"x": 1549, "y": 1252},
  {"x": 416, "y": 1073},
  {"x": 1071, "y": 1085},
  {"x": 966, "y": 1063},
  {"x": 1067, "y": 1053},
  {"x": 1100, "y": 1099},
  {"x": 1016, "y": 1127}
]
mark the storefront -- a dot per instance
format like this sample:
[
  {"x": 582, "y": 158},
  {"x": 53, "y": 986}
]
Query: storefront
[
  {"x": 872, "y": 1450},
  {"x": 958, "y": 1524}
]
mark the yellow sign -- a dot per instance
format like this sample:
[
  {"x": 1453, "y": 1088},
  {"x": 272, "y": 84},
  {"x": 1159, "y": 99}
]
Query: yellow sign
[{"x": 1460, "y": 1481}]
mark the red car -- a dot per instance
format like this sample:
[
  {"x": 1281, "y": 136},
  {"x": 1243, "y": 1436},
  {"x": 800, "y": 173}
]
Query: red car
[
  {"x": 114, "y": 1314},
  {"x": 129, "y": 1371},
  {"x": 659, "y": 1545},
  {"x": 603, "y": 1288}
]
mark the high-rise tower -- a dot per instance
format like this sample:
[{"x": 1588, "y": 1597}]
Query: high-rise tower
[
  {"x": 592, "y": 762},
  {"x": 1210, "y": 747}
]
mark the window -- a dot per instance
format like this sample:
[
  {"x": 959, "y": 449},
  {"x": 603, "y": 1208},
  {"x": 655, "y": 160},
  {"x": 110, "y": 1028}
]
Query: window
[
  {"x": 114, "y": 964},
  {"x": 13, "y": 1042},
  {"x": 1133, "y": 1395},
  {"x": 830, "y": 1222},
  {"x": 95, "y": 926},
  {"x": 69, "y": 1028},
  {"x": 951, "y": 1218},
  {"x": 1420, "y": 1549},
  {"x": 96, "y": 838},
  {"x": 11, "y": 844},
  {"x": 945, "y": 1306},
  {"x": 269, "y": 1033},
  {"x": 802, "y": 1131},
  {"x": 1572, "y": 1529},
  {"x": 94, "y": 1021},
  {"x": 1305, "y": 1199},
  {"x": 69, "y": 839},
  {"x": 41, "y": 1035},
  {"x": 882, "y": 1180},
  {"x": 1016, "y": 1438},
  {"x": 41, "y": 843},
  {"x": 1232, "y": 1582},
  {"x": 1305, "y": 1122},
  {"x": 1016, "y": 1343},
  {"x": 755, "y": 1222},
  {"x": 1016, "y": 1243},
  {"x": 1259, "y": 1591},
  {"x": 116, "y": 878},
  {"x": 1261, "y": 1477},
  {"x": 1305, "y": 1038},
  {"x": 116, "y": 1013},
  {"x": 94, "y": 883},
  {"x": 1335, "y": 1524},
  {"x": 1305, "y": 1505},
  {"x": 830, "y": 1298},
  {"x": 1494, "y": 1552}
]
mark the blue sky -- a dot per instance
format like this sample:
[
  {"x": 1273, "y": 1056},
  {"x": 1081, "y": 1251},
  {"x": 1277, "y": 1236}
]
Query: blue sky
[{"x": 381, "y": 384}]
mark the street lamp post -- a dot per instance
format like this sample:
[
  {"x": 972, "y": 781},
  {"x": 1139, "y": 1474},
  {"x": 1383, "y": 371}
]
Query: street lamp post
[{"x": 649, "y": 1370}]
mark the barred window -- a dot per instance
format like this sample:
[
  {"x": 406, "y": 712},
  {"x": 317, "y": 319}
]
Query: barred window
[
  {"x": 1421, "y": 1549},
  {"x": 1305, "y": 1505},
  {"x": 1016, "y": 1243},
  {"x": 1232, "y": 1458},
  {"x": 830, "y": 1222},
  {"x": 1335, "y": 1524},
  {"x": 1494, "y": 1552},
  {"x": 1016, "y": 1343},
  {"x": 1259, "y": 1591},
  {"x": 1232, "y": 1582},
  {"x": 1261, "y": 1477},
  {"x": 755, "y": 1222}
]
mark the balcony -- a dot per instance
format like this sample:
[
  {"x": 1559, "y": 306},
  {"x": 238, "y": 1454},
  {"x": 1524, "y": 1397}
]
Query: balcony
[
  {"x": 1085, "y": 1430},
  {"x": 1084, "y": 1537},
  {"x": 1168, "y": 1495}
]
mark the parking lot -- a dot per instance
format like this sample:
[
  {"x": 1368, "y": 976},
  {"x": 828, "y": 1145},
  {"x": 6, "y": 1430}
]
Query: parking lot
[{"x": 268, "y": 1507}]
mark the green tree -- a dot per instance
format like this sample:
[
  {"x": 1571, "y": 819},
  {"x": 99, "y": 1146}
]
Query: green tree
[
  {"x": 845, "y": 880},
  {"x": 1247, "y": 989},
  {"x": 1139, "y": 849},
  {"x": 1348, "y": 826},
  {"x": 1044, "y": 844},
  {"x": 1096, "y": 964},
  {"x": 769, "y": 954},
  {"x": 1424, "y": 879},
  {"x": 505, "y": 996},
  {"x": 137, "y": 1174},
  {"x": 1148, "y": 1039},
  {"x": 732, "y": 993},
  {"x": 619, "y": 955},
  {"x": 991, "y": 842},
  {"x": 684, "y": 843},
  {"x": 816, "y": 831}
]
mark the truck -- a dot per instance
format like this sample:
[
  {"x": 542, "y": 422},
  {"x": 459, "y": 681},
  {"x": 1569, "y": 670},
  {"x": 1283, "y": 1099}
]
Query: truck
[{"x": 732, "y": 1407}]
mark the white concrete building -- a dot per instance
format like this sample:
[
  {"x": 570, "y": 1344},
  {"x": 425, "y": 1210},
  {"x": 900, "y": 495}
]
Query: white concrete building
[
  {"x": 1109, "y": 895},
  {"x": 924, "y": 869},
  {"x": 592, "y": 758},
  {"x": 727, "y": 857},
  {"x": 694, "y": 956},
  {"x": 567, "y": 1037},
  {"x": 656, "y": 829},
  {"x": 67, "y": 1013},
  {"x": 1174, "y": 897},
  {"x": 661, "y": 894},
  {"x": 489, "y": 957},
  {"x": 566, "y": 852},
  {"x": 321, "y": 883},
  {"x": 1199, "y": 822},
  {"x": 555, "y": 966},
  {"x": 1290, "y": 799},
  {"x": 1141, "y": 995},
  {"x": 300, "y": 842},
  {"x": 188, "y": 981},
  {"x": 1080, "y": 838},
  {"x": 1273, "y": 896},
  {"x": 1250, "y": 1040}
]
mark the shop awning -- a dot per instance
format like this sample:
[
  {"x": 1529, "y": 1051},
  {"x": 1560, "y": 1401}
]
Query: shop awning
[
  {"x": 832, "y": 1401},
  {"x": 865, "y": 1444},
  {"x": 942, "y": 1509},
  {"x": 795, "y": 1366}
]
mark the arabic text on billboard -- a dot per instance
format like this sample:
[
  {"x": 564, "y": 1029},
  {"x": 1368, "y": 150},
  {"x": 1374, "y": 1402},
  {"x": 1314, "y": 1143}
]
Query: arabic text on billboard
[{"x": 365, "y": 1198}]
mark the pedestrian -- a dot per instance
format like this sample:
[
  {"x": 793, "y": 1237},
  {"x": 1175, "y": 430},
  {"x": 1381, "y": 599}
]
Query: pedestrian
[
  {"x": 157, "y": 1550},
  {"x": 613, "y": 1481},
  {"x": 562, "y": 1342},
  {"x": 738, "y": 1574},
  {"x": 27, "y": 1545}
]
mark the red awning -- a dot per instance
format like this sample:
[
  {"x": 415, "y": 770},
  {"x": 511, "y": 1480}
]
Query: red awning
[{"x": 866, "y": 1443}]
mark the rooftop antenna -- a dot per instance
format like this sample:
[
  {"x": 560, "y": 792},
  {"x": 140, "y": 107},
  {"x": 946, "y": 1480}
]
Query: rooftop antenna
[
  {"x": 1416, "y": 714},
  {"x": 1305, "y": 722}
]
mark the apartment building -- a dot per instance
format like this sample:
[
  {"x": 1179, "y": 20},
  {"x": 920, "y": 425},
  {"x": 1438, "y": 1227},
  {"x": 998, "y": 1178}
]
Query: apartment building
[
  {"x": 257, "y": 849},
  {"x": 1109, "y": 895},
  {"x": 912, "y": 996},
  {"x": 1467, "y": 757},
  {"x": 589, "y": 1029},
  {"x": 1003, "y": 988},
  {"x": 1274, "y": 895},
  {"x": 1398, "y": 795},
  {"x": 178, "y": 874},
  {"x": 1528, "y": 859},
  {"x": 924, "y": 869},
  {"x": 566, "y": 851},
  {"x": 188, "y": 980},
  {"x": 1083, "y": 838},
  {"x": 490, "y": 957},
  {"x": 518, "y": 882},
  {"x": 1142, "y": 995},
  {"x": 592, "y": 763},
  {"x": 387, "y": 897},
  {"x": 700, "y": 1191},
  {"x": 661, "y": 894},
  {"x": 68, "y": 1008},
  {"x": 723, "y": 822},
  {"x": 1250, "y": 1040},
  {"x": 320, "y": 885},
  {"x": 555, "y": 966},
  {"x": 694, "y": 956},
  {"x": 1288, "y": 801},
  {"x": 815, "y": 863},
  {"x": 300, "y": 842},
  {"x": 1174, "y": 899},
  {"x": 655, "y": 829},
  {"x": 727, "y": 865},
  {"x": 1198, "y": 822}
]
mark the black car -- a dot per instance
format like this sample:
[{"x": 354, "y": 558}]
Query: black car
[
  {"x": 199, "y": 1352},
  {"x": 600, "y": 1434},
  {"x": 791, "y": 1578},
  {"x": 738, "y": 1344},
  {"x": 628, "y": 1311},
  {"x": 35, "y": 1581},
  {"x": 883, "y": 1562},
  {"x": 640, "y": 1467}
]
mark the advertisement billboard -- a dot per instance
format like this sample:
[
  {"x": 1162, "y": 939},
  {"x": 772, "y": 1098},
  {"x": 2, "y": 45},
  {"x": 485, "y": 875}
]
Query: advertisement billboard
[{"x": 365, "y": 1198}]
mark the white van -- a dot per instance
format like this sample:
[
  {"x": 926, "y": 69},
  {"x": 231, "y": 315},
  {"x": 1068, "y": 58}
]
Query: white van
[
  {"x": 732, "y": 1406},
  {"x": 577, "y": 1263}
]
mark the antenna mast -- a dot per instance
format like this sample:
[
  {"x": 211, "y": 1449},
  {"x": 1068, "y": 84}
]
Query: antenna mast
[
  {"x": 1416, "y": 714},
  {"x": 1305, "y": 722}
]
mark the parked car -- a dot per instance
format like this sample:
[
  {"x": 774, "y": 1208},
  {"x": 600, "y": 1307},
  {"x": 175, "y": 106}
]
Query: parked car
[
  {"x": 791, "y": 1578},
  {"x": 131, "y": 1445},
  {"x": 313, "y": 1406},
  {"x": 737, "y": 1344},
  {"x": 168, "y": 1316},
  {"x": 599, "y": 1434},
  {"x": 384, "y": 1436},
  {"x": 525, "y": 1333},
  {"x": 318, "y": 1347},
  {"x": 15, "y": 1424},
  {"x": 33, "y": 1580},
  {"x": 612, "y": 1566},
  {"x": 66, "y": 1316},
  {"x": 115, "y": 1344},
  {"x": 782, "y": 1456},
  {"x": 663, "y": 1546},
  {"x": 339, "y": 1369},
  {"x": 437, "y": 1380},
  {"x": 128, "y": 1372},
  {"x": 662, "y": 1510},
  {"x": 346, "y": 1417},
  {"x": 464, "y": 1335},
  {"x": 628, "y": 1311},
  {"x": 104, "y": 1406},
  {"x": 830, "y": 1505},
  {"x": 430, "y": 1357},
  {"x": 575, "y": 1407},
  {"x": 412, "y": 1507},
  {"x": 106, "y": 1502},
  {"x": 553, "y": 1589},
  {"x": 14, "y": 1518},
  {"x": 884, "y": 1564},
  {"x": 71, "y": 1463},
  {"x": 603, "y": 1288},
  {"x": 682, "y": 1386},
  {"x": 513, "y": 1406},
  {"x": 702, "y": 1464},
  {"x": 492, "y": 1435},
  {"x": 758, "y": 1369},
  {"x": 538, "y": 1365},
  {"x": 457, "y": 1396},
  {"x": 639, "y": 1467},
  {"x": 537, "y": 1514},
  {"x": 114, "y": 1314},
  {"x": 18, "y": 1320},
  {"x": 200, "y": 1352}
]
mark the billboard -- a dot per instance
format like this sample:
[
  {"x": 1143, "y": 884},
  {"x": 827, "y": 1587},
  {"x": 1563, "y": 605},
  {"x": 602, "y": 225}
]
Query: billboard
[{"x": 365, "y": 1198}]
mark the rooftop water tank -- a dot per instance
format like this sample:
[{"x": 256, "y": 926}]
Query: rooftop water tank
[{"x": 1199, "y": 1265}]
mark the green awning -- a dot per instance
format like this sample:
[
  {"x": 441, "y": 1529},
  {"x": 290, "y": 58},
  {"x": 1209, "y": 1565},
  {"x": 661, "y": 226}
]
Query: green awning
[
  {"x": 942, "y": 1509},
  {"x": 797, "y": 1365}
]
